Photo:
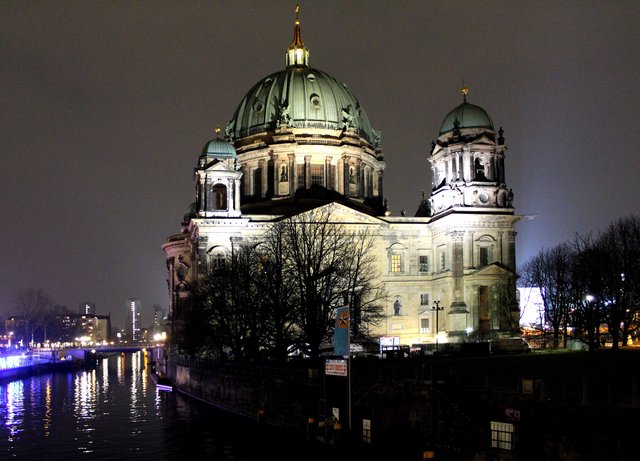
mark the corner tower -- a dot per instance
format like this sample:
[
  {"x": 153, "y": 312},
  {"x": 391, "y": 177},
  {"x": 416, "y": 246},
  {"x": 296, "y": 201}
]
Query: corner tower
[
  {"x": 218, "y": 181},
  {"x": 473, "y": 221},
  {"x": 467, "y": 164}
]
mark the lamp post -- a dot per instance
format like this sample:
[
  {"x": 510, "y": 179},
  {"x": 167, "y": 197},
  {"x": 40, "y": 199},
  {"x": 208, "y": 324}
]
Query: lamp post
[{"x": 437, "y": 309}]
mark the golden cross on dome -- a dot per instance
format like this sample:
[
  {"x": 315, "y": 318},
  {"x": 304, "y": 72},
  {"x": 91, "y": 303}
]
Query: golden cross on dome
[{"x": 464, "y": 90}]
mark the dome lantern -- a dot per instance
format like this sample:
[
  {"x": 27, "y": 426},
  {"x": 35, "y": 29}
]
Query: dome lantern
[{"x": 297, "y": 54}]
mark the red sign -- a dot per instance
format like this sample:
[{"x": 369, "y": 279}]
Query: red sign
[{"x": 336, "y": 367}]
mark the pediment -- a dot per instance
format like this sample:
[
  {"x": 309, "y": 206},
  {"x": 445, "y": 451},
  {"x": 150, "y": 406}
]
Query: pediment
[
  {"x": 343, "y": 214},
  {"x": 217, "y": 166},
  {"x": 484, "y": 140},
  {"x": 494, "y": 269}
]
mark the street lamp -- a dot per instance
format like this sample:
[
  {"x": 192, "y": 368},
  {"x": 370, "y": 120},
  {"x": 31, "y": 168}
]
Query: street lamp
[{"x": 437, "y": 309}]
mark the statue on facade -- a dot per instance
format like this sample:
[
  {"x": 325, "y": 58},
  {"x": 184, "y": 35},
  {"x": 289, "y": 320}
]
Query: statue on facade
[
  {"x": 510, "y": 198},
  {"x": 347, "y": 117},
  {"x": 228, "y": 130},
  {"x": 396, "y": 307},
  {"x": 377, "y": 139},
  {"x": 284, "y": 118}
]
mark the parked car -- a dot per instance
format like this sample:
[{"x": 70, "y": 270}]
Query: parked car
[{"x": 509, "y": 345}]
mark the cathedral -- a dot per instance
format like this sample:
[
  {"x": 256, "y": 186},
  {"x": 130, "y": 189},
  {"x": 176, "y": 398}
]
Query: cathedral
[{"x": 300, "y": 139}]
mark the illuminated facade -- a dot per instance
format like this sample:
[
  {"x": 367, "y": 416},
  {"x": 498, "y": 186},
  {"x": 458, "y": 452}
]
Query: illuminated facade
[{"x": 300, "y": 139}]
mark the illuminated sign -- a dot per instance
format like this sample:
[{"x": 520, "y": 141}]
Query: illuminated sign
[{"x": 335, "y": 367}]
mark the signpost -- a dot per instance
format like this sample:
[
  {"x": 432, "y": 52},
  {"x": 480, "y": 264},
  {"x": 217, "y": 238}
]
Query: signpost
[{"x": 342, "y": 347}]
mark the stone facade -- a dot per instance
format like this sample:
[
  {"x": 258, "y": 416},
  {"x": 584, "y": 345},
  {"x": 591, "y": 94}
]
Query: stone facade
[{"x": 300, "y": 140}]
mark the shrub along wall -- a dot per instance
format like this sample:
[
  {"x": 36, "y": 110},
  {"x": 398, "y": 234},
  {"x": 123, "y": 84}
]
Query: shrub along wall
[{"x": 280, "y": 396}]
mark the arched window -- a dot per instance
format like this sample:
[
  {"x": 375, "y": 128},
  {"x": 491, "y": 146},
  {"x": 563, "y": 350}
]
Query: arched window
[
  {"x": 479, "y": 170},
  {"x": 396, "y": 255},
  {"x": 219, "y": 197},
  {"x": 217, "y": 256},
  {"x": 485, "y": 245}
]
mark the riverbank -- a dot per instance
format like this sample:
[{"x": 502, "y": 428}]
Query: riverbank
[
  {"x": 460, "y": 408},
  {"x": 19, "y": 367}
]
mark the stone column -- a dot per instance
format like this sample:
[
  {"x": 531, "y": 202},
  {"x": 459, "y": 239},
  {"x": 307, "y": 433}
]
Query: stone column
[
  {"x": 292, "y": 173},
  {"x": 236, "y": 205},
  {"x": 307, "y": 171},
  {"x": 265, "y": 177},
  {"x": 201, "y": 193},
  {"x": 510, "y": 253},
  {"x": 345, "y": 176},
  {"x": 458, "y": 306},
  {"x": 327, "y": 174}
]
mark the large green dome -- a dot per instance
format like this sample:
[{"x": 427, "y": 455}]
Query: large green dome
[
  {"x": 466, "y": 116},
  {"x": 301, "y": 97}
]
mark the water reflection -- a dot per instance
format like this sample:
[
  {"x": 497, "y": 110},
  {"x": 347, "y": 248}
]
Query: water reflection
[
  {"x": 11, "y": 409},
  {"x": 114, "y": 412},
  {"x": 85, "y": 394},
  {"x": 47, "y": 407},
  {"x": 105, "y": 375}
]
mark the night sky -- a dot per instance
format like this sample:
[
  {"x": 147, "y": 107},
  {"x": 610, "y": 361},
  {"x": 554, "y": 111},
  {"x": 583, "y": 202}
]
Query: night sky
[{"x": 106, "y": 105}]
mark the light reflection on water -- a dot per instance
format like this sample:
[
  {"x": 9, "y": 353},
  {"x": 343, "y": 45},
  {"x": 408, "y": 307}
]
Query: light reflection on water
[
  {"x": 93, "y": 413},
  {"x": 114, "y": 412},
  {"x": 11, "y": 406}
]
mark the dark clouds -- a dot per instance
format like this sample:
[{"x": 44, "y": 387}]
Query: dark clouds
[{"x": 107, "y": 104}]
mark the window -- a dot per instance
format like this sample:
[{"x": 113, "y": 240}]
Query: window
[
  {"x": 219, "y": 192},
  {"x": 396, "y": 263},
  {"x": 479, "y": 170},
  {"x": 424, "y": 325},
  {"x": 317, "y": 174},
  {"x": 502, "y": 435},
  {"x": 331, "y": 180},
  {"x": 443, "y": 260},
  {"x": 257, "y": 182},
  {"x": 484, "y": 256},
  {"x": 424, "y": 299},
  {"x": 424, "y": 263},
  {"x": 300, "y": 174},
  {"x": 218, "y": 261}
]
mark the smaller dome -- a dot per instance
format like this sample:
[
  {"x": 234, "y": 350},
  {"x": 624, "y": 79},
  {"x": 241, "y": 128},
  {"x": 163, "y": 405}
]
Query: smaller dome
[
  {"x": 467, "y": 116},
  {"x": 219, "y": 148}
]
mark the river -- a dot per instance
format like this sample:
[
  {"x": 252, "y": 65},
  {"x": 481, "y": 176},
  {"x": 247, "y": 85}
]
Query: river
[{"x": 115, "y": 412}]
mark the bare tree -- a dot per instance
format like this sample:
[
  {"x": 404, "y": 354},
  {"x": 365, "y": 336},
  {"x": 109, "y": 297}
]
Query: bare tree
[
  {"x": 330, "y": 266},
  {"x": 281, "y": 291},
  {"x": 278, "y": 300},
  {"x": 589, "y": 287},
  {"x": 620, "y": 265},
  {"x": 228, "y": 306},
  {"x": 31, "y": 305},
  {"x": 550, "y": 272}
]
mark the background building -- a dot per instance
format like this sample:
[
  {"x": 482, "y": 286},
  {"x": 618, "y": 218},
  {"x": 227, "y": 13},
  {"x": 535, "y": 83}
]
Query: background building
[
  {"x": 87, "y": 308},
  {"x": 132, "y": 320},
  {"x": 300, "y": 139}
]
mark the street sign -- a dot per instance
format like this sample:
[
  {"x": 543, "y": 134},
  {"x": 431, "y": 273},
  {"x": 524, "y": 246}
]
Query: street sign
[{"x": 336, "y": 367}]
